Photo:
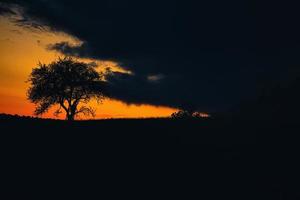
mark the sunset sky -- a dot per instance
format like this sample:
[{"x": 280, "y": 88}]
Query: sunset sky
[
  {"x": 22, "y": 48},
  {"x": 205, "y": 56}
]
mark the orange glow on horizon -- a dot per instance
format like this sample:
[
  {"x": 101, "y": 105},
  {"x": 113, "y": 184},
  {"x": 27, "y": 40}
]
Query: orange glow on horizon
[{"x": 21, "y": 49}]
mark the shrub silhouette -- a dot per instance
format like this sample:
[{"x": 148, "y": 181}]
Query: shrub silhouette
[
  {"x": 67, "y": 83},
  {"x": 181, "y": 114},
  {"x": 185, "y": 114}
]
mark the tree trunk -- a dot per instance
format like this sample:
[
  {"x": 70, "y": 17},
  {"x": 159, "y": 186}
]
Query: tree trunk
[
  {"x": 70, "y": 116},
  {"x": 71, "y": 111}
]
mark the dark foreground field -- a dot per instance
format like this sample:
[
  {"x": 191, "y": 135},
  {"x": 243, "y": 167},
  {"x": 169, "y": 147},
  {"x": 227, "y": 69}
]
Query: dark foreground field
[{"x": 219, "y": 158}]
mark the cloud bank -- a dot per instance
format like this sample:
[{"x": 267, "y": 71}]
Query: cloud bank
[{"x": 206, "y": 55}]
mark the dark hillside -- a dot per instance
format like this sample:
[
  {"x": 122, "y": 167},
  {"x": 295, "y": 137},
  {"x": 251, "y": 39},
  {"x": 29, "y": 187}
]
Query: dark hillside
[
  {"x": 132, "y": 131},
  {"x": 226, "y": 157}
]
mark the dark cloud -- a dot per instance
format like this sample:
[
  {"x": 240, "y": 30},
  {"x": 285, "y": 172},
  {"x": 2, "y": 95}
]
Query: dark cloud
[
  {"x": 211, "y": 54},
  {"x": 72, "y": 50},
  {"x": 5, "y": 11}
]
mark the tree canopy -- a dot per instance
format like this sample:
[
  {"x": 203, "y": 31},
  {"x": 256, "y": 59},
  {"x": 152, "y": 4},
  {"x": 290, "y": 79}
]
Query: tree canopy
[{"x": 67, "y": 83}]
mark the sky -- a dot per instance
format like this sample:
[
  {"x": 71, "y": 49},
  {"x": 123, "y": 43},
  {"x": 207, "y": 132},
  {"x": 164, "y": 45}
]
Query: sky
[
  {"x": 209, "y": 56},
  {"x": 22, "y": 48}
]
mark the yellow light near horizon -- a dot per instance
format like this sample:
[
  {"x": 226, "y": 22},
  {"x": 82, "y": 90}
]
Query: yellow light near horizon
[{"x": 20, "y": 51}]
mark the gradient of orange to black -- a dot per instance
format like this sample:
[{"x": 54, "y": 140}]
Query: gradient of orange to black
[
  {"x": 20, "y": 51},
  {"x": 231, "y": 68},
  {"x": 206, "y": 56}
]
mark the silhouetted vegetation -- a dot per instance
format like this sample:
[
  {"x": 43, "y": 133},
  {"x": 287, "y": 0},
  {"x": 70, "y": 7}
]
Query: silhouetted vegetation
[
  {"x": 67, "y": 83},
  {"x": 186, "y": 114},
  {"x": 251, "y": 153},
  {"x": 242, "y": 156}
]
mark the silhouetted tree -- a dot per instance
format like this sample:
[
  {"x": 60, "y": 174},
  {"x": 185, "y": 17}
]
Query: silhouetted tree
[
  {"x": 181, "y": 114},
  {"x": 186, "y": 114},
  {"x": 65, "y": 82}
]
